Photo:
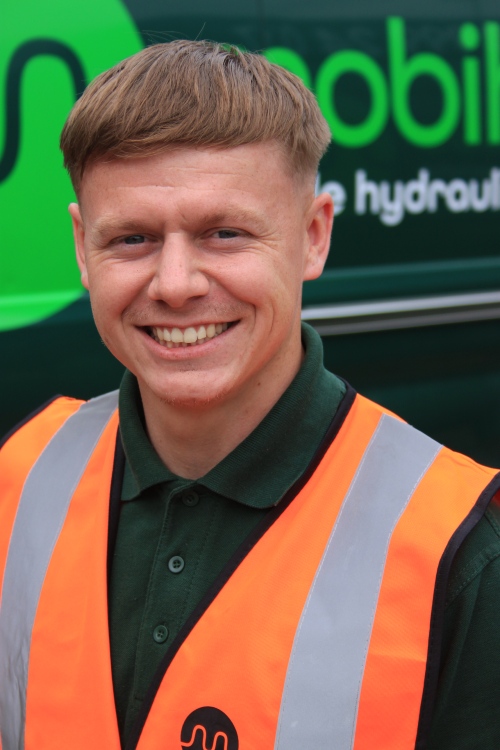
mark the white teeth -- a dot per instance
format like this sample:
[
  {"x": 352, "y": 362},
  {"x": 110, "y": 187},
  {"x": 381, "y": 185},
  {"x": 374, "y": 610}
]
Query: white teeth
[
  {"x": 175, "y": 337},
  {"x": 190, "y": 336}
]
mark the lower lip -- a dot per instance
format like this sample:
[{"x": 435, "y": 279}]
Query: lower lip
[{"x": 186, "y": 352}]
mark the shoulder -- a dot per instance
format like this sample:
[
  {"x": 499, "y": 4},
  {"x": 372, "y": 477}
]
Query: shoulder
[
  {"x": 478, "y": 555},
  {"x": 52, "y": 413},
  {"x": 45, "y": 421},
  {"x": 466, "y": 710},
  {"x": 62, "y": 431}
]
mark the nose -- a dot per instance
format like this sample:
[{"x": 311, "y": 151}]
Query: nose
[{"x": 178, "y": 276}]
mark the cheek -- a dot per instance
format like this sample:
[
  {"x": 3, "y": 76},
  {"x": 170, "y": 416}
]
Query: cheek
[
  {"x": 112, "y": 287},
  {"x": 267, "y": 279},
  {"x": 108, "y": 305},
  {"x": 281, "y": 287}
]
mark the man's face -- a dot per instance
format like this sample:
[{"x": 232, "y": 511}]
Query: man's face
[{"x": 194, "y": 260}]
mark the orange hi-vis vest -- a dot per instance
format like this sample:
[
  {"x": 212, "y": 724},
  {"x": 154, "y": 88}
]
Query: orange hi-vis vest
[{"x": 322, "y": 633}]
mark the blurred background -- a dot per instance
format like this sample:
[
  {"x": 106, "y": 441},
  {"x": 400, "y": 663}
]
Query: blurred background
[{"x": 409, "y": 305}]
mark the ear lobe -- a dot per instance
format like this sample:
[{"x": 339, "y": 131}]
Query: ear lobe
[
  {"x": 79, "y": 237},
  {"x": 319, "y": 232}
]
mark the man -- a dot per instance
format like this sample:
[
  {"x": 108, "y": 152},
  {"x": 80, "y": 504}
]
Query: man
[{"x": 270, "y": 551}]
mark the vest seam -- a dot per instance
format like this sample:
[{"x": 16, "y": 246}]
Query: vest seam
[
  {"x": 114, "y": 501},
  {"x": 113, "y": 518}
]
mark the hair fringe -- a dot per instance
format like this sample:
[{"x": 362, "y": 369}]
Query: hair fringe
[{"x": 194, "y": 94}]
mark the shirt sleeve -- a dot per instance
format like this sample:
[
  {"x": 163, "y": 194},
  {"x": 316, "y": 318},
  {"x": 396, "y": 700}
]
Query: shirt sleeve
[{"x": 467, "y": 714}]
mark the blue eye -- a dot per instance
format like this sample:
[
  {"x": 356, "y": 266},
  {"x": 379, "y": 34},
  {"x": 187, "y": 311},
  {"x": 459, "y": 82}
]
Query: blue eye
[
  {"x": 134, "y": 239},
  {"x": 226, "y": 234}
]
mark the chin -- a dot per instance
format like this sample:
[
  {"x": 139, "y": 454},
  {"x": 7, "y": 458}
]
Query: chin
[{"x": 191, "y": 399}]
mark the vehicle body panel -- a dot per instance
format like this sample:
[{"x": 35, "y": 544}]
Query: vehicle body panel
[{"x": 409, "y": 303}]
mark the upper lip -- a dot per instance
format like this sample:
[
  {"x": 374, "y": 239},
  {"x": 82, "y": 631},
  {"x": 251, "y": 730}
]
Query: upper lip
[{"x": 187, "y": 325}]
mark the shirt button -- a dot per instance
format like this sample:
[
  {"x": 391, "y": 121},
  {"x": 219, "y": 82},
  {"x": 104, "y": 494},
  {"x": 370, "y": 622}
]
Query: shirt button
[
  {"x": 175, "y": 564},
  {"x": 160, "y": 634},
  {"x": 190, "y": 498}
]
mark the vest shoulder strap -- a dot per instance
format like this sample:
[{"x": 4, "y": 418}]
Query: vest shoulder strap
[{"x": 39, "y": 516}]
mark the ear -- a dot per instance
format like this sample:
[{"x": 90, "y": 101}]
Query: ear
[
  {"x": 79, "y": 237},
  {"x": 319, "y": 229}
]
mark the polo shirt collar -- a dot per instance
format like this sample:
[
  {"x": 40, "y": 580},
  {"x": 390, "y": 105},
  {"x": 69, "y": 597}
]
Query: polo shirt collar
[{"x": 260, "y": 470}]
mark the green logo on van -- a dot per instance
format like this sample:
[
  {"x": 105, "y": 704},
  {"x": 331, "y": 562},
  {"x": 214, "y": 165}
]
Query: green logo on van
[
  {"x": 48, "y": 52},
  {"x": 390, "y": 89}
]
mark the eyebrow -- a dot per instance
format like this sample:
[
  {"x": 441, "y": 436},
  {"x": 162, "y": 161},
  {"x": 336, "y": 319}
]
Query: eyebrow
[
  {"x": 232, "y": 215},
  {"x": 104, "y": 226}
]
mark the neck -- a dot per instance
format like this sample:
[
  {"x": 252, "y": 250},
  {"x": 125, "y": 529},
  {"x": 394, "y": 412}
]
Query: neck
[{"x": 192, "y": 440}]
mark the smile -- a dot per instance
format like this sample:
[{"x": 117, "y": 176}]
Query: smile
[{"x": 191, "y": 336}]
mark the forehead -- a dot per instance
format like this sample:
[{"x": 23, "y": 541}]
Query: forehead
[{"x": 250, "y": 174}]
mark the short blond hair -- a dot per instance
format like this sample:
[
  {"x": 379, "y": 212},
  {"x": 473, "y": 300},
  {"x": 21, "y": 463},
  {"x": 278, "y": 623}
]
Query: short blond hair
[{"x": 193, "y": 94}]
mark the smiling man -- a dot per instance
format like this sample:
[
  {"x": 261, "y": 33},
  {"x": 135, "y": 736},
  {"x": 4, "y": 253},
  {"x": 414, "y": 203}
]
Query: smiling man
[
  {"x": 195, "y": 260},
  {"x": 236, "y": 550}
]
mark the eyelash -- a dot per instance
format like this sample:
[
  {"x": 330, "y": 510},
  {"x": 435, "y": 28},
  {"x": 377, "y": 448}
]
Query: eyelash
[
  {"x": 125, "y": 240},
  {"x": 132, "y": 236},
  {"x": 232, "y": 232}
]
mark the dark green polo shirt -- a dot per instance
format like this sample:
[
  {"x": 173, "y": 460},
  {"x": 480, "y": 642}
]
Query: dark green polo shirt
[{"x": 175, "y": 535}]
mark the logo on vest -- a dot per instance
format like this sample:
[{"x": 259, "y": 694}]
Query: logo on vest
[{"x": 208, "y": 728}]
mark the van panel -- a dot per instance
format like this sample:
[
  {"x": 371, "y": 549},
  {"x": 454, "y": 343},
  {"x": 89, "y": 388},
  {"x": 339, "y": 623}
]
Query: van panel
[{"x": 409, "y": 303}]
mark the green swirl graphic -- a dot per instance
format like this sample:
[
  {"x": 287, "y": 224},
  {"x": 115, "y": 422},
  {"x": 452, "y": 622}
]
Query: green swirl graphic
[{"x": 48, "y": 52}]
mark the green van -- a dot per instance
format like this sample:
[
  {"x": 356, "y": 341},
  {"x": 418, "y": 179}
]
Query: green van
[{"x": 409, "y": 305}]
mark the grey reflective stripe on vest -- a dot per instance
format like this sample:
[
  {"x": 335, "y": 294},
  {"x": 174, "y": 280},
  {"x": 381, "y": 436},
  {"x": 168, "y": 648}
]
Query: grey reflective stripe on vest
[
  {"x": 322, "y": 687},
  {"x": 42, "y": 510}
]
